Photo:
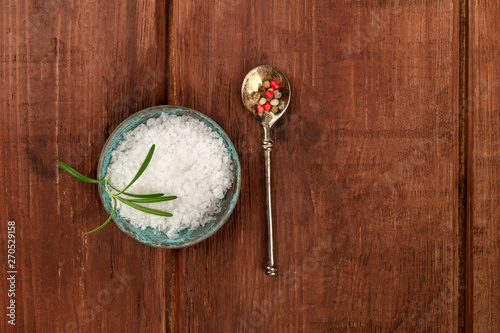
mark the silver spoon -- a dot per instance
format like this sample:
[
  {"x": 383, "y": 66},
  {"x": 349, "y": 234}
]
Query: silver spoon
[{"x": 251, "y": 84}]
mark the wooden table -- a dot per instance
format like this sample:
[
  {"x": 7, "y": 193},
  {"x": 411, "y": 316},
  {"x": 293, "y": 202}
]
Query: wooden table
[{"x": 386, "y": 166}]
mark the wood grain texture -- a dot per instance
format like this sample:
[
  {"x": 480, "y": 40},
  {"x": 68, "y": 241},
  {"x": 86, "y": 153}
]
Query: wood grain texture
[
  {"x": 385, "y": 168},
  {"x": 365, "y": 166},
  {"x": 70, "y": 73},
  {"x": 484, "y": 175}
]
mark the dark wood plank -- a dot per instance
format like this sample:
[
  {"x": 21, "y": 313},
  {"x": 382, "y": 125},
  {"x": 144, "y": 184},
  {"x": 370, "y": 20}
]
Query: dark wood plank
[
  {"x": 365, "y": 166},
  {"x": 484, "y": 158},
  {"x": 69, "y": 74}
]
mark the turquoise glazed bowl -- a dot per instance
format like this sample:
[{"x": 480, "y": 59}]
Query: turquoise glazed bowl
[{"x": 152, "y": 237}]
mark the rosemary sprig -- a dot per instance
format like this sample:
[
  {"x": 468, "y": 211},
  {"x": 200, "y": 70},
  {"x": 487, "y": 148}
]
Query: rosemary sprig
[{"x": 134, "y": 203}]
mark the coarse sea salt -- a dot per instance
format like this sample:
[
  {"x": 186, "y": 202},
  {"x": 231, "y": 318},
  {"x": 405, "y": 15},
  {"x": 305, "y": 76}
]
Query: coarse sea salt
[{"x": 190, "y": 161}]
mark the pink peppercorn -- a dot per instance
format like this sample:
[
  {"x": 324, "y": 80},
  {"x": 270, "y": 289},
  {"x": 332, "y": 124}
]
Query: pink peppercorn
[
  {"x": 267, "y": 106},
  {"x": 260, "y": 108},
  {"x": 269, "y": 94},
  {"x": 275, "y": 85}
]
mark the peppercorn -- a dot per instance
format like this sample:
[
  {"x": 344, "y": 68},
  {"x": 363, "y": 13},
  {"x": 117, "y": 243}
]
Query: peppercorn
[
  {"x": 269, "y": 96},
  {"x": 281, "y": 105}
]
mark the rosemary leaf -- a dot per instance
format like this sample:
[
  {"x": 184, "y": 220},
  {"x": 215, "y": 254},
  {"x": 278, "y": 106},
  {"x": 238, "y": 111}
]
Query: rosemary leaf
[
  {"x": 142, "y": 198},
  {"x": 76, "y": 174},
  {"x": 107, "y": 221},
  {"x": 150, "y": 200},
  {"x": 153, "y": 195},
  {"x": 144, "y": 209},
  {"x": 141, "y": 169}
]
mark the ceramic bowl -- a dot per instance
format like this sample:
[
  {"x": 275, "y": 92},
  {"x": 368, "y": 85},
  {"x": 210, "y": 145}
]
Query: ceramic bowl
[{"x": 150, "y": 236}]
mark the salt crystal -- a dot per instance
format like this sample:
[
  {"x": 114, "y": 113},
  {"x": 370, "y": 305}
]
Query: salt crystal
[{"x": 190, "y": 161}]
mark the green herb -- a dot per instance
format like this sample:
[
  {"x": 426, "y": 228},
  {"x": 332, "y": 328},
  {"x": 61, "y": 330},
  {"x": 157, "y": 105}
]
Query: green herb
[
  {"x": 144, "y": 209},
  {"x": 134, "y": 203}
]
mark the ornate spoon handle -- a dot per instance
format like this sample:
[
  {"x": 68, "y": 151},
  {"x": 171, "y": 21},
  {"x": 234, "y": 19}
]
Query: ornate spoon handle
[{"x": 267, "y": 146}]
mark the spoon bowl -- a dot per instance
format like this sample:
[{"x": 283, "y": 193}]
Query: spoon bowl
[{"x": 252, "y": 82}]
